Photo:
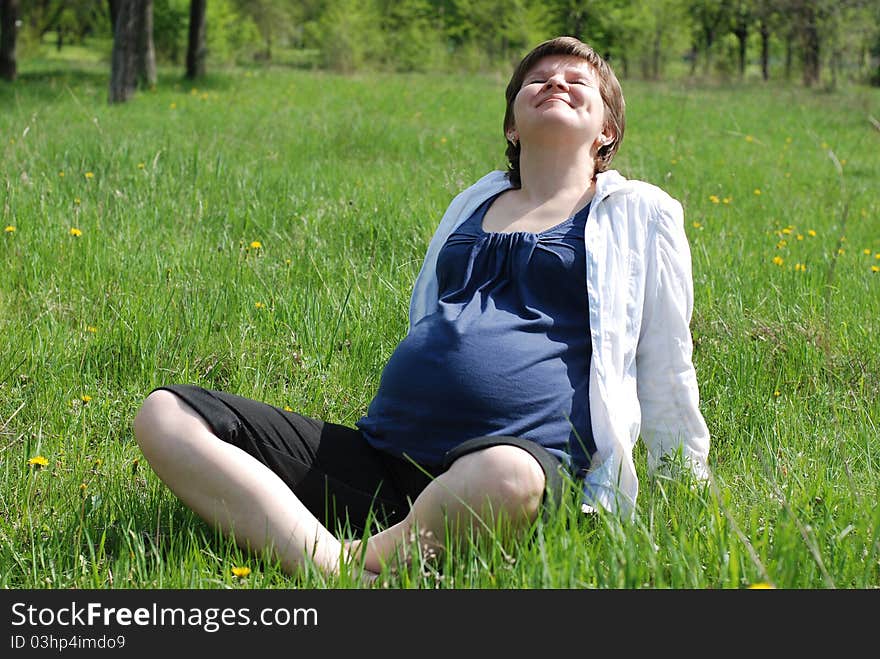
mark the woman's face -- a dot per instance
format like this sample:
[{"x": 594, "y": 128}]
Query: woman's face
[{"x": 559, "y": 99}]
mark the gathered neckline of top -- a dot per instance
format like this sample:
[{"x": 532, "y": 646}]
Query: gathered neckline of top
[{"x": 483, "y": 208}]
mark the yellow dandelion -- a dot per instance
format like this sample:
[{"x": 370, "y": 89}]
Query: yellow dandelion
[
  {"x": 778, "y": 260},
  {"x": 714, "y": 198},
  {"x": 800, "y": 236},
  {"x": 90, "y": 175},
  {"x": 698, "y": 225},
  {"x": 877, "y": 255},
  {"x": 727, "y": 200},
  {"x": 91, "y": 329},
  {"x": 77, "y": 201},
  {"x": 800, "y": 267},
  {"x": 866, "y": 252},
  {"x": 761, "y": 585},
  {"x": 288, "y": 408},
  {"x": 38, "y": 461},
  {"x": 757, "y": 191},
  {"x": 259, "y": 305},
  {"x": 98, "y": 462},
  {"x": 241, "y": 572},
  {"x": 82, "y": 488},
  {"x": 781, "y": 244},
  {"x": 875, "y": 268},
  {"x": 777, "y": 393},
  {"x": 749, "y": 138},
  {"x": 75, "y": 232},
  {"x": 824, "y": 145},
  {"x": 9, "y": 229},
  {"x": 141, "y": 165},
  {"x": 85, "y": 398},
  {"x": 61, "y": 174},
  {"x": 287, "y": 261},
  {"x": 788, "y": 140},
  {"x": 786, "y": 230},
  {"x": 840, "y": 250},
  {"x": 811, "y": 233},
  {"x": 674, "y": 161},
  {"x": 256, "y": 244},
  {"x": 173, "y": 106}
]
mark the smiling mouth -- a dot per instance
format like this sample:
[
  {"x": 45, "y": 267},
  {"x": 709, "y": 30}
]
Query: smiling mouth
[{"x": 554, "y": 98}]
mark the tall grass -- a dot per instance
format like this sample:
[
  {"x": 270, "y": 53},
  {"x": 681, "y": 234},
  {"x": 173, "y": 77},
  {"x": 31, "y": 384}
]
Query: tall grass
[{"x": 259, "y": 233}]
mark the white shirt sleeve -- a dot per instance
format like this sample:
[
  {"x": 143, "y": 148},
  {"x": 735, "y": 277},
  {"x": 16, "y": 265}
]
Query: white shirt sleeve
[{"x": 666, "y": 378}]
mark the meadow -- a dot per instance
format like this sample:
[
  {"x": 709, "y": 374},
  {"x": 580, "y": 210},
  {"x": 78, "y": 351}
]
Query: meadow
[{"x": 258, "y": 232}]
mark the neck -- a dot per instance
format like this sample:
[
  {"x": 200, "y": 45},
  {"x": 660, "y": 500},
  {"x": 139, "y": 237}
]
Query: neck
[{"x": 548, "y": 174}]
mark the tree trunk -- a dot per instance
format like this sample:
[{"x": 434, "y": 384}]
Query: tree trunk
[
  {"x": 134, "y": 60},
  {"x": 789, "y": 55},
  {"x": 196, "y": 49},
  {"x": 146, "y": 51},
  {"x": 114, "y": 12},
  {"x": 812, "y": 60},
  {"x": 8, "y": 28},
  {"x": 709, "y": 41},
  {"x": 765, "y": 51},
  {"x": 742, "y": 37}
]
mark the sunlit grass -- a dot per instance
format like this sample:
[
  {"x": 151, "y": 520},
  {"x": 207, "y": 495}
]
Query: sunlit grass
[{"x": 259, "y": 232}]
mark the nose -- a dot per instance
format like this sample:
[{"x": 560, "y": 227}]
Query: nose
[{"x": 556, "y": 81}]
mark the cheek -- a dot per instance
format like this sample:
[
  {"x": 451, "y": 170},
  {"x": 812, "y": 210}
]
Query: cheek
[{"x": 520, "y": 101}]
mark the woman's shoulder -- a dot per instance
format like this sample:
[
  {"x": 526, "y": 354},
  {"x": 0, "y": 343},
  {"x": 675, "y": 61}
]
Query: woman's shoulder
[
  {"x": 615, "y": 183},
  {"x": 646, "y": 201}
]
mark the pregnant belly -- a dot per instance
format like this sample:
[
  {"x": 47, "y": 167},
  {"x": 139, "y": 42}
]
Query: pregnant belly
[{"x": 498, "y": 372}]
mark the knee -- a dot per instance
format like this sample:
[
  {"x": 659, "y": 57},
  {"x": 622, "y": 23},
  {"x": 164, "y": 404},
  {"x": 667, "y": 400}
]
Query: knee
[
  {"x": 511, "y": 479},
  {"x": 153, "y": 419}
]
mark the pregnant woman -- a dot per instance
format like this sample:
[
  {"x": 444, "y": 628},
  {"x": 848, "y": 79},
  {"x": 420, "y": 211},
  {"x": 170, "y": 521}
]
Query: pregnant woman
[{"x": 548, "y": 332}]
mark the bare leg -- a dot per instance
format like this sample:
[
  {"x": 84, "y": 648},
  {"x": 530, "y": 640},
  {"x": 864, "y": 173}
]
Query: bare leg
[
  {"x": 229, "y": 488},
  {"x": 501, "y": 482}
]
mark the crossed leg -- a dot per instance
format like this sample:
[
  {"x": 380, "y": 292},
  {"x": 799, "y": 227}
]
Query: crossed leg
[{"x": 237, "y": 493}]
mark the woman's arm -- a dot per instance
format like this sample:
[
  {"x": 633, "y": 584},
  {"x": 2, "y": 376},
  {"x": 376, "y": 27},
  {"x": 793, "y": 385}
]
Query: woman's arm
[{"x": 667, "y": 381}]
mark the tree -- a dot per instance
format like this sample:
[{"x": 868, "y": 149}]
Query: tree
[
  {"x": 272, "y": 17},
  {"x": 134, "y": 59},
  {"x": 710, "y": 19},
  {"x": 8, "y": 27},
  {"x": 114, "y": 12},
  {"x": 196, "y": 49},
  {"x": 742, "y": 18}
]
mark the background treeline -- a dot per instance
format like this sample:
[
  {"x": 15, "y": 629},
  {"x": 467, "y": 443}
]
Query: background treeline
[{"x": 812, "y": 41}]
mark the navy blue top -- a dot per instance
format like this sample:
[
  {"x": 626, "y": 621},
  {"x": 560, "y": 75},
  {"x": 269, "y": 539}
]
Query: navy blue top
[{"x": 507, "y": 352}]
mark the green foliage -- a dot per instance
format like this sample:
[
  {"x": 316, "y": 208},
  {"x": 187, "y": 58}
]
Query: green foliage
[
  {"x": 412, "y": 36},
  {"x": 162, "y": 285},
  {"x": 645, "y": 38},
  {"x": 231, "y": 35},
  {"x": 347, "y": 37},
  {"x": 170, "y": 30}
]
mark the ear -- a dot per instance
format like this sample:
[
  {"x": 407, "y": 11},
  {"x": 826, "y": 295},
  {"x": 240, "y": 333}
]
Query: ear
[{"x": 512, "y": 136}]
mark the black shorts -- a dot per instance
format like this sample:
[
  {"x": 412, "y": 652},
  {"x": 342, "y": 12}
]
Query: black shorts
[{"x": 345, "y": 482}]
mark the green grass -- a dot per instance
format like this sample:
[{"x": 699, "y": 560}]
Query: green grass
[{"x": 342, "y": 180}]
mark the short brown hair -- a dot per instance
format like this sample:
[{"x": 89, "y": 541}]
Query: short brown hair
[{"x": 609, "y": 88}]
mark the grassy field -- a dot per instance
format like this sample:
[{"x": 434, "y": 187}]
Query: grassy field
[{"x": 259, "y": 232}]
